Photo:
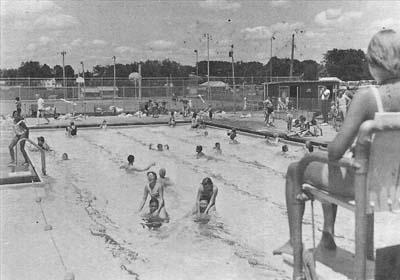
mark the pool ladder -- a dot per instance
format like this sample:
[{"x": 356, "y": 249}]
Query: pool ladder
[{"x": 42, "y": 153}]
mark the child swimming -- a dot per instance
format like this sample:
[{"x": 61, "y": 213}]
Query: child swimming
[
  {"x": 131, "y": 167},
  {"x": 232, "y": 135}
]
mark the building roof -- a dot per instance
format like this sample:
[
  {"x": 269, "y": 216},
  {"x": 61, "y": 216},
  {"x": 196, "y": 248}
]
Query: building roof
[{"x": 214, "y": 84}]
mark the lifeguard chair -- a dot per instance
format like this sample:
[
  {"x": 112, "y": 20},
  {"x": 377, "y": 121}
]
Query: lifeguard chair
[{"x": 377, "y": 188}]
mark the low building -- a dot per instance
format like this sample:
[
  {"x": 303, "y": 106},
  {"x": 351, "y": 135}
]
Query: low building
[{"x": 303, "y": 95}]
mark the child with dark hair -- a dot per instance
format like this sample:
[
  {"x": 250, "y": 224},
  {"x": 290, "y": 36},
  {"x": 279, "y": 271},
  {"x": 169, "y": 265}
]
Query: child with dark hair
[
  {"x": 131, "y": 167},
  {"x": 217, "y": 148},
  {"x": 206, "y": 196},
  {"x": 155, "y": 190},
  {"x": 232, "y": 135},
  {"x": 71, "y": 130}
]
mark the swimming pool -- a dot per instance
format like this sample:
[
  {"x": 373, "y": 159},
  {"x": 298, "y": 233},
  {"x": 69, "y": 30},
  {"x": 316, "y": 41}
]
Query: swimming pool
[{"x": 92, "y": 205}]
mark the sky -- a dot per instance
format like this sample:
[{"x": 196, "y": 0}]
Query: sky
[{"x": 93, "y": 31}]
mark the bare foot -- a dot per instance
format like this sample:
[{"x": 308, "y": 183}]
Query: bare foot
[
  {"x": 285, "y": 249},
  {"x": 327, "y": 241}
]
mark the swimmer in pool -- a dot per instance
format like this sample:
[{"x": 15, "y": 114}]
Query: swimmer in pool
[
  {"x": 64, "y": 156},
  {"x": 232, "y": 135},
  {"x": 309, "y": 147},
  {"x": 199, "y": 152},
  {"x": 206, "y": 195},
  {"x": 131, "y": 167},
  {"x": 71, "y": 130},
  {"x": 159, "y": 148},
  {"x": 217, "y": 148},
  {"x": 164, "y": 181},
  {"x": 272, "y": 140},
  {"x": 156, "y": 191},
  {"x": 103, "y": 125}
]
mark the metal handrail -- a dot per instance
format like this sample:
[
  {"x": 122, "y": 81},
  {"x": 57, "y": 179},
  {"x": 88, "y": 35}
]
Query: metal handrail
[{"x": 42, "y": 153}]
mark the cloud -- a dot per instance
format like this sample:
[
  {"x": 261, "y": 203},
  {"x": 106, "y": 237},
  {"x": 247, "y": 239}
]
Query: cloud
[
  {"x": 99, "y": 42},
  {"x": 55, "y": 21},
  {"x": 386, "y": 23},
  {"x": 280, "y": 3},
  {"x": 263, "y": 32},
  {"x": 219, "y": 5},
  {"x": 31, "y": 47},
  {"x": 24, "y": 8},
  {"x": 335, "y": 17},
  {"x": 76, "y": 42},
  {"x": 124, "y": 50},
  {"x": 44, "y": 40},
  {"x": 160, "y": 44}
]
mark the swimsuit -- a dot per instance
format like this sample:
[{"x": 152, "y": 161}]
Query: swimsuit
[{"x": 206, "y": 195}]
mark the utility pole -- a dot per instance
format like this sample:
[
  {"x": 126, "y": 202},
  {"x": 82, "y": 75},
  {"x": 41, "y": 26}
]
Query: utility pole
[
  {"x": 83, "y": 76},
  {"x": 197, "y": 62},
  {"x": 208, "y": 65},
  {"x": 114, "y": 80},
  {"x": 291, "y": 58},
  {"x": 233, "y": 79},
  {"x": 270, "y": 61},
  {"x": 63, "y": 53}
]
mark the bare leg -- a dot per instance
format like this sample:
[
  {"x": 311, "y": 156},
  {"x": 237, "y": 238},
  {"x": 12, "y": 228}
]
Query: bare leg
[
  {"x": 11, "y": 148},
  {"x": 295, "y": 209},
  {"x": 327, "y": 240},
  {"x": 22, "y": 147}
]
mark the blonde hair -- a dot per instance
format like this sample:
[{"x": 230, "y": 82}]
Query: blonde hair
[{"x": 384, "y": 52}]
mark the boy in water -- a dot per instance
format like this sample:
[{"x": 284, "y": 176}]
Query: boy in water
[
  {"x": 232, "y": 135},
  {"x": 71, "y": 130},
  {"x": 64, "y": 156},
  {"x": 159, "y": 148},
  {"x": 42, "y": 144},
  {"x": 217, "y": 148},
  {"x": 21, "y": 131},
  {"x": 199, "y": 152},
  {"x": 103, "y": 124},
  {"x": 131, "y": 167}
]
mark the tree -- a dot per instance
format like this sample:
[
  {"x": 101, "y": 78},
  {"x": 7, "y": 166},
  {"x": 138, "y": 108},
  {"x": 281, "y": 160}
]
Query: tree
[
  {"x": 29, "y": 69},
  {"x": 69, "y": 71},
  {"x": 347, "y": 65}
]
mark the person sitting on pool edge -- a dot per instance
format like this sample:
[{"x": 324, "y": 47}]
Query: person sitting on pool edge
[
  {"x": 206, "y": 196},
  {"x": 155, "y": 190},
  {"x": 71, "y": 130},
  {"x": 232, "y": 135},
  {"x": 384, "y": 65},
  {"x": 131, "y": 167}
]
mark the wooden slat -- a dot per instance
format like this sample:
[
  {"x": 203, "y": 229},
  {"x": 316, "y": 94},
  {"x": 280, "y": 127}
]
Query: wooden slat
[{"x": 319, "y": 194}]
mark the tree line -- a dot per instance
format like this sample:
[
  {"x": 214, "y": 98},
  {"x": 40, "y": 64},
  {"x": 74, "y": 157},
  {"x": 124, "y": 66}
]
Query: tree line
[{"x": 348, "y": 64}]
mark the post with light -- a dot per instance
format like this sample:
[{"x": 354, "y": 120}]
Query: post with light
[
  {"x": 114, "y": 80},
  {"x": 233, "y": 79},
  {"x": 63, "y": 53}
]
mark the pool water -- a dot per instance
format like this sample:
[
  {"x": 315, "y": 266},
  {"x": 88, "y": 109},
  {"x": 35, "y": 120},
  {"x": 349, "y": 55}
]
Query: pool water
[{"x": 99, "y": 201}]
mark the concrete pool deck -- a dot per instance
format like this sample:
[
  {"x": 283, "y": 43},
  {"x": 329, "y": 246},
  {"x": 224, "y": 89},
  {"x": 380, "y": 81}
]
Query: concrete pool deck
[{"x": 255, "y": 123}]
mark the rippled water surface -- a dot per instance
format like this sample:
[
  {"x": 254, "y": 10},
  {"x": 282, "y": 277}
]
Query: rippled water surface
[{"x": 251, "y": 216}]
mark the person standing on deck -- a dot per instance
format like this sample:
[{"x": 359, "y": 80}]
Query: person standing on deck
[{"x": 41, "y": 109}]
